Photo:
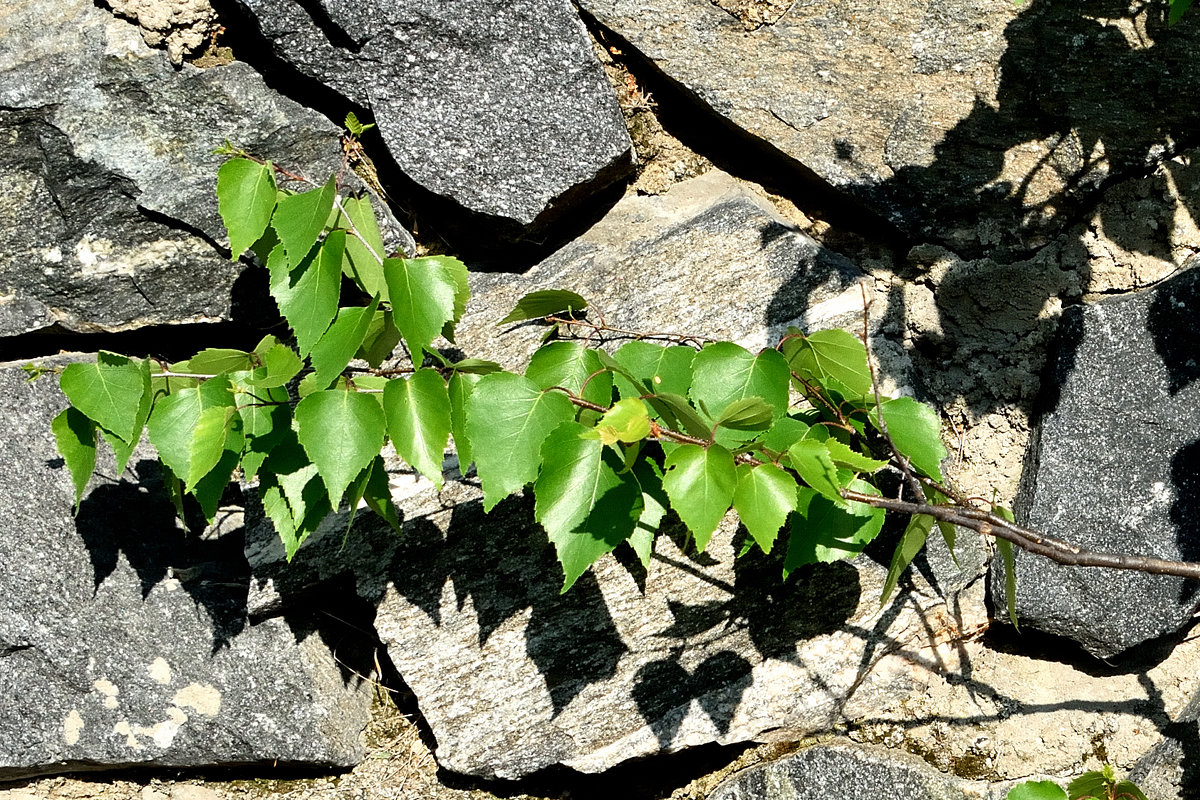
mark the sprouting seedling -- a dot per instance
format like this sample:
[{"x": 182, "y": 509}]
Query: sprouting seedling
[{"x": 356, "y": 128}]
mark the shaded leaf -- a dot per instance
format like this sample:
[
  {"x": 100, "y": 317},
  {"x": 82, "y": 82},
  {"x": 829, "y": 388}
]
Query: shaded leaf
[
  {"x": 215, "y": 360},
  {"x": 341, "y": 432},
  {"x": 678, "y": 413},
  {"x": 906, "y": 550},
  {"x": 475, "y": 366},
  {"x": 822, "y": 531},
  {"x": 245, "y": 200},
  {"x": 544, "y": 303},
  {"x": 333, "y": 351},
  {"x": 377, "y": 494},
  {"x": 842, "y": 454},
  {"x": 1010, "y": 580},
  {"x": 747, "y": 414},
  {"x": 418, "y": 420},
  {"x": 381, "y": 339},
  {"x": 764, "y": 497},
  {"x": 75, "y": 436},
  {"x": 266, "y": 418},
  {"x": 700, "y": 483}
]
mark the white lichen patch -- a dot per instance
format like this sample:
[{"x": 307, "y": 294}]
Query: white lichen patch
[
  {"x": 199, "y": 697},
  {"x": 163, "y": 733},
  {"x": 72, "y": 727},
  {"x": 108, "y": 690},
  {"x": 159, "y": 671},
  {"x": 123, "y": 728}
]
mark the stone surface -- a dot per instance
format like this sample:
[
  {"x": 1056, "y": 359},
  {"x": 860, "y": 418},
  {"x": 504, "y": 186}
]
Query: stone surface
[
  {"x": 501, "y": 108},
  {"x": 108, "y": 217},
  {"x": 1171, "y": 770},
  {"x": 850, "y": 772},
  {"x": 976, "y": 123},
  {"x": 123, "y": 637},
  {"x": 182, "y": 26},
  {"x": 1113, "y": 467}
]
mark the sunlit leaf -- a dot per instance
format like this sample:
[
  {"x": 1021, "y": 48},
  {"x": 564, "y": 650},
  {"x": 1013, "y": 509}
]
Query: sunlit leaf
[
  {"x": 764, "y": 497},
  {"x": 245, "y": 200},
  {"x": 215, "y": 360},
  {"x": 108, "y": 391},
  {"x": 833, "y": 355},
  {"x": 418, "y": 420},
  {"x": 300, "y": 218},
  {"x": 570, "y": 365},
  {"x": 811, "y": 459},
  {"x": 700, "y": 482},
  {"x": 627, "y": 421},
  {"x": 333, "y": 351},
  {"x": 724, "y": 373},
  {"x": 657, "y": 369},
  {"x": 341, "y": 432},
  {"x": 1036, "y": 790},
  {"x": 362, "y": 260},
  {"x": 423, "y": 295},
  {"x": 307, "y": 295},
  {"x": 916, "y": 432},
  {"x": 460, "y": 387}
]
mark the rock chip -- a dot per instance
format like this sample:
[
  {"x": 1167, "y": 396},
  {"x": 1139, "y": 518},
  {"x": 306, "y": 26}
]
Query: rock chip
[
  {"x": 974, "y": 123},
  {"x": 123, "y": 638},
  {"x": 504, "y": 108},
  {"x": 108, "y": 218},
  {"x": 1114, "y": 468}
]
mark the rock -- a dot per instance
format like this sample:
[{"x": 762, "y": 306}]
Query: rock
[
  {"x": 513, "y": 676},
  {"x": 853, "y": 772},
  {"x": 1113, "y": 468},
  {"x": 109, "y": 216},
  {"x": 182, "y": 25},
  {"x": 123, "y": 638},
  {"x": 1170, "y": 770},
  {"x": 503, "y": 109},
  {"x": 975, "y": 123}
]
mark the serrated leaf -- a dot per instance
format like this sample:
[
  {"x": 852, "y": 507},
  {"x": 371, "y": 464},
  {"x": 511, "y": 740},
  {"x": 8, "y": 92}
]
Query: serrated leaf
[
  {"x": 299, "y": 220},
  {"x": 570, "y": 365},
  {"x": 657, "y": 369},
  {"x": 219, "y": 428},
  {"x": 508, "y": 418},
  {"x": 354, "y": 126},
  {"x": 1127, "y": 790},
  {"x": 245, "y": 200},
  {"x": 75, "y": 436},
  {"x": 746, "y": 414},
  {"x": 418, "y": 420},
  {"x": 215, "y": 360},
  {"x": 423, "y": 296},
  {"x": 678, "y": 413},
  {"x": 362, "y": 261},
  {"x": 723, "y": 373},
  {"x": 307, "y": 295},
  {"x": 176, "y": 416},
  {"x": 266, "y": 419},
  {"x": 764, "y": 497},
  {"x": 811, "y": 459},
  {"x": 333, "y": 351},
  {"x": 544, "y": 303},
  {"x": 585, "y": 499},
  {"x": 822, "y": 531},
  {"x": 785, "y": 432},
  {"x": 109, "y": 391},
  {"x": 1178, "y": 9},
  {"x": 1091, "y": 784},
  {"x": 457, "y": 272},
  {"x": 280, "y": 364},
  {"x": 293, "y": 497},
  {"x": 381, "y": 339},
  {"x": 842, "y": 454},
  {"x": 475, "y": 366},
  {"x": 1036, "y": 790},
  {"x": 835, "y": 355},
  {"x": 627, "y": 421},
  {"x": 460, "y": 387},
  {"x": 700, "y": 482},
  {"x": 906, "y": 550},
  {"x": 341, "y": 432},
  {"x": 916, "y": 432}
]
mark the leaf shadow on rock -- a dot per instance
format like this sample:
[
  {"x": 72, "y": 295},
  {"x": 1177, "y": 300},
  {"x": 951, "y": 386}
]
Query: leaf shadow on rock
[{"x": 133, "y": 518}]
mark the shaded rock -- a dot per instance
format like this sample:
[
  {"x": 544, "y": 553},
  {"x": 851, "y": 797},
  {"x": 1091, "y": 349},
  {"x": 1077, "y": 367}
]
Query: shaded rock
[
  {"x": 123, "y": 637},
  {"x": 851, "y": 772},
  {"x": 1114, "y": 468},
  {"x": 109, "y": 215},
  {"x": 1171, "y": 769},
  {"x": 974, "y": 123},
  {"x": 501, "y": 108},
  {"x": 513, "y": 676}
]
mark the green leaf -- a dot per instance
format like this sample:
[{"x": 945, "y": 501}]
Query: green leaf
[
  {"x": 461, "y": 385},
  {"x": 723, "y": 373},
  {"x": 475, "y": 366},
  {"x": 377, "y": 495},
  {"x": 341, "y": 432},
  {"x": 175, "y": 429},
  {"x": 508, "y": 417},
  {"x": 1127, "y": 790},
  {"x": 109, "y": 391},
  {"x": 219, "y": 428},
  {"x": 811, "y": 459},
  {"x": 75, "y": 436},
  {"x": 764, "y": 497},
  {"x": 906, "y": 550},
  {"x": 747, "y": 414},
  {"x": 655, "y": 504},
  {"x": 423, "y": 295},
  {"x": 658, "y": 370},
  {"x": 1092, "y": 784},
  {"x": 266, "y": 418},
  {"x": 418, "y": 420},
  {"x": 214, "y": 361},
  {"x": 300, "y": 218},
  {"x": 1036, "y": 790},
  {"x": 544, "y": 303},
  {"x": 307, "y": 295},
  {"x": 245, "y": 200},
  {"x": 569, "y": 365},
  {"x": 700, "y": 482},
  {"x": 678, "y": 413},
  {"x": 1178, "y": 8},
  {"x": 784, "y": 433},
  {"x": 585, "y": 499},
  {"x": 835, "y": 355},
  {"x": 280, "y": 364},
  {"x": 1010, "y": 579},
  {"x": 354, "y": 126},
  {"x": 916, "y": 432},
  {"x": 381, "y": 339},
  {"x": 823, "y": 531},
  {"x": 842, "y": 454},
  {"x": 363, "y": 262},
  {"x": 333, "y": 351},
  {"x": 456, "y": 271},
  {"x": 124, "y": 449},
  {"x": 293, "y": 497},
  {"x": 627, "y": 421}
]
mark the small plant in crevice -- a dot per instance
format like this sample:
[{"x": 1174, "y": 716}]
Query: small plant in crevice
[{"x": 1101, "y": 784}]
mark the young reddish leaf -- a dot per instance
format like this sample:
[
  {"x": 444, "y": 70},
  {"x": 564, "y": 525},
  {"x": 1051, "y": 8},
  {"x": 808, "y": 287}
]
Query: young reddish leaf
[
  {"x": 75, "y": 436},
  {"x": 587, "y": 502},
  {"x": 307, "y": 295},
  {"x": 333, "y": 351},
  {"x": 418, "y": 420},
  {"x": 423, "y": 296},
  {"x": 300, "y": 218},
  {"x": 245, "y": 200},
  {"x": 764, "y": 497},
  {"x": 508, "y": 418},
  {"x": 700, "y": 482},
  {"x": 341, "y": 432}
]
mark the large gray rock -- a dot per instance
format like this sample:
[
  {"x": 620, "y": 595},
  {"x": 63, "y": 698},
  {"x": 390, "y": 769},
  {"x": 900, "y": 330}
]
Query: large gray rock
[
  {"x": 513, "y": 676},
  {"x": 108, "y": 218},
  {"x": 123, "y": 638},
  {"x": 503, "y": 108},
  {"x": 1114, "y": 467},
  {"x": 1171, "y": 769},
  {"x": 975, "y": 123}
]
